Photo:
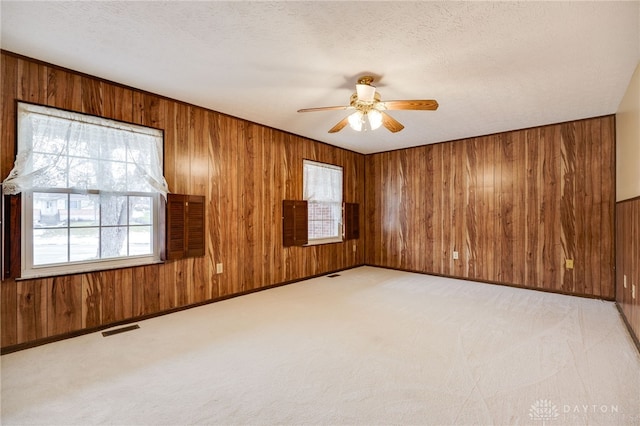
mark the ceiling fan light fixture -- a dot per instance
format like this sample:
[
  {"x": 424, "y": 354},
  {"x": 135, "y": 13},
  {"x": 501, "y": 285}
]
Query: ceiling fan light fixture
[
  {"x": 370, "y": 110},
  {"x": 355, "y": 121},
  {"x": 369, "y": 120},
  {"x": 375, "y": 119}
]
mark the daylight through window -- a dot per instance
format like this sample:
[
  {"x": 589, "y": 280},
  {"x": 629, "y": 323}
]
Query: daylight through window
[
  {"x": 90, "y": 191},
  {"x": 323, "y": 192}
]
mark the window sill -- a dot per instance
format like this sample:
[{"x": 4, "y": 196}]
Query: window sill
[{"x": 321, "y": 241}]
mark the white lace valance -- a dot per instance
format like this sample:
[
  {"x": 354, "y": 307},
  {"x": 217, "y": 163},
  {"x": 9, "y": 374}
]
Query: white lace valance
[{"x": 61, "y": 149}]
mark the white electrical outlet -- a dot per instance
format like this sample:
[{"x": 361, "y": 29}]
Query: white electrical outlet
[
  {"x": 625, "y": 281},
  {"x": 455, "y": 254},
  {"x": 633, "y": 291},
  {"x": 219, "y": 268},
  {"x": 354, "y": 248}
]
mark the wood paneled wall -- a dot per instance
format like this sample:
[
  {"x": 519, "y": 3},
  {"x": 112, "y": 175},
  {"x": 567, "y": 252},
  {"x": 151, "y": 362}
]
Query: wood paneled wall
[
  {"x": 628, "y": 261},
  {"x": 243, "y": 169},
  {"x": 514, "y": 205}
]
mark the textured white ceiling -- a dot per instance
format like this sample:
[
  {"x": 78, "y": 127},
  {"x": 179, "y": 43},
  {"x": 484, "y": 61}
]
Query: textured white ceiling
[{"x": 492, "y": 66}]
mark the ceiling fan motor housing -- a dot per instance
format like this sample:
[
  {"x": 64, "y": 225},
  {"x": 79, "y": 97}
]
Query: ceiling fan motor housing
[{"x": 366, "y": 92}]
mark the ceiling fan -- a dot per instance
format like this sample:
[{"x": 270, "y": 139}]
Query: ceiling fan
[{"x": 370, "y": 111}]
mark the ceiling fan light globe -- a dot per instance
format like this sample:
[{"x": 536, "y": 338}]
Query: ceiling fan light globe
[
  {"x": 375, "y": 119},
  {"x": 355, "y": 121}
]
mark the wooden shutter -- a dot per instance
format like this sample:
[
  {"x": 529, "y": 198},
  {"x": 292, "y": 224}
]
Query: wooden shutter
[
  {"x": 11, "y": 222},
  {"x": 351, "y": 221},
  {"x": 195, "y": 226},
  {"x": 185, "y": 226},
  {"x": 294, "y": 223},
  {"x": 175, "y": 226}
]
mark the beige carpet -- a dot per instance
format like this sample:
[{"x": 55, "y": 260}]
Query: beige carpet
[{"x": 371, "y": 346}]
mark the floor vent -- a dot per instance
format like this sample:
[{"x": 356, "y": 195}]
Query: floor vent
[
  {"x": 333, "y": 275},
  {"x": 119, "y": 330}
]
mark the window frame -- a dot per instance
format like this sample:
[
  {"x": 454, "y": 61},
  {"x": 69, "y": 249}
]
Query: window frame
[
  {"x": 30, "y": 271},
  {"x": 339, "y": 237}
]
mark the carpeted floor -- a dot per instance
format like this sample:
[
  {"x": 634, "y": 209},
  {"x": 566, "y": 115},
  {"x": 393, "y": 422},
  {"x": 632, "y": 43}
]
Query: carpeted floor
[{"x": 371, "y": 346}]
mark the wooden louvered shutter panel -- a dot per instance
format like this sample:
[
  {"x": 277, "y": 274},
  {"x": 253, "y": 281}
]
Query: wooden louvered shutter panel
[
  {"x": 294, "y": 223},
  {"x": 176, "y": 238},
  {"x": 351, "y": 221},
  {"x": 195, "y": 226},
  {"x": 185, "y": 226},
  {"x": 12, "y": 225}
]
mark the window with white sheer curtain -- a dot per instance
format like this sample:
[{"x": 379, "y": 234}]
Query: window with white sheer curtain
[
  {"x": 91, "y": 191},
  {"x": 323, "y": 191}
]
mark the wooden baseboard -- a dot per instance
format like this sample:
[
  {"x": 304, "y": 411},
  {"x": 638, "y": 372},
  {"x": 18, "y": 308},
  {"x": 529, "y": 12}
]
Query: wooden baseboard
[
  {"x": 545, "y": 290},
  {"x": 629, "y": 328}
]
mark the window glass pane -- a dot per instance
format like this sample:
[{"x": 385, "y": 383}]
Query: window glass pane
[
  {"x": 140, "y": 240},
  {"x": 336, "y": 212},
  {"x": 114, "y": 210},
  {"x": 323, "y": 220},
  {"x": 84, "y": 210},
  {"x": 49, "y": 246},
  {"x": 83, "y": 244},
  {"x": 140, "y": 209},
  {"x": 49, "y": 210},
  {"x": 114, "y": 241}
]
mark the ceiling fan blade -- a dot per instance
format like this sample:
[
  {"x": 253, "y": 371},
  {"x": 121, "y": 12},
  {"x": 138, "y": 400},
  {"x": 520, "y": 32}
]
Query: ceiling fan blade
[
  {"x": 331, "y": 108},
  {"x": 341, "y": 125},
  {"x": 426, "y": 104},
  {"x": 391, "y": 123}
]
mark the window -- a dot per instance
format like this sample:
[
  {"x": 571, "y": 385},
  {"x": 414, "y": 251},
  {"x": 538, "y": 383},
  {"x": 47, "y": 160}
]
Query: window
[
  {"x": 323, "y": 193},
  {"x": 91, "y": 192}
]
